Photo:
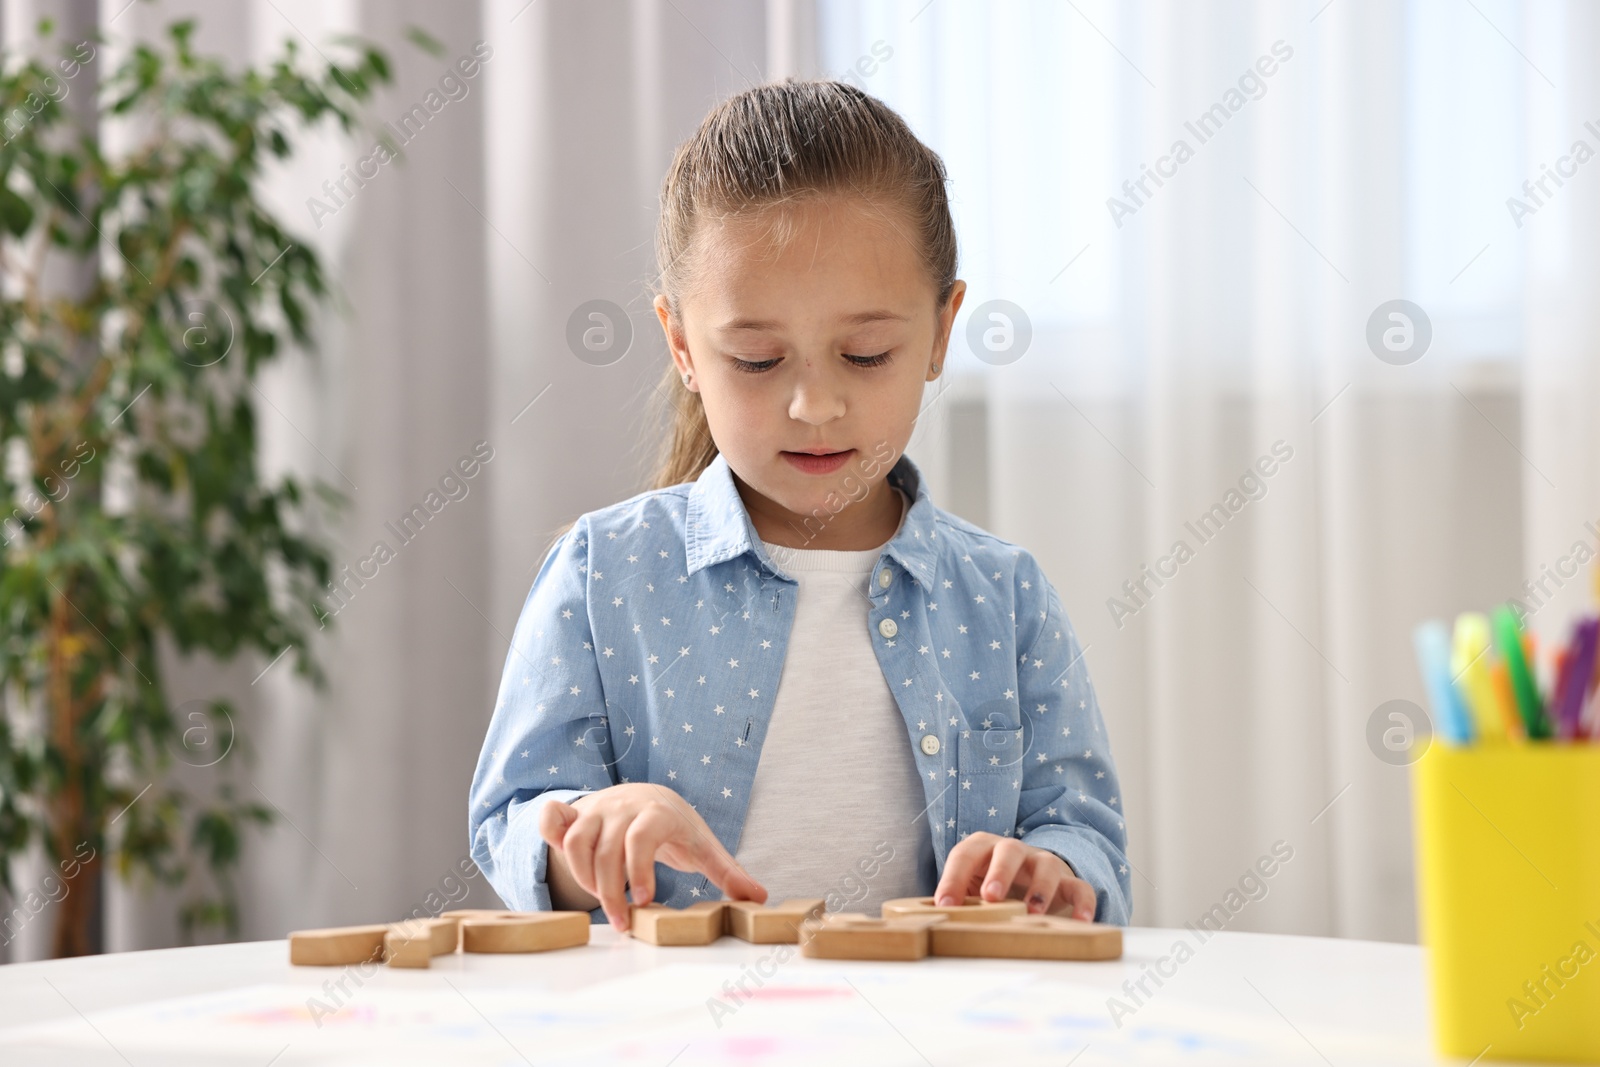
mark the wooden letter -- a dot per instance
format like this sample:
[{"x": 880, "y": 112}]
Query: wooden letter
[
  {"x": 850, "y": 935},
  {"x": 1028, "y": 937},
  {"x": 536, "y": 931},
  {"x": 698, "y": 924},
  {"x": 337, "y": 946},
  {"x": 412, "y": 943},
  {"x": 479, "y": 913},
  {"x": 975, "y": 910},
  {"x": 777, "y": 924}
]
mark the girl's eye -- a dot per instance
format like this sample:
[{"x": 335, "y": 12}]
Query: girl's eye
[
  {"x": 767, "y": 364},
  {"x": 868, "y": 361}
]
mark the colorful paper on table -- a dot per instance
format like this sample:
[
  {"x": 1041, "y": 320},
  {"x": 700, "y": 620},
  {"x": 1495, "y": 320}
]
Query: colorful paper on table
[
  {"x": 1433, "y": 656},
  {"x": 797, "y": 1016}
]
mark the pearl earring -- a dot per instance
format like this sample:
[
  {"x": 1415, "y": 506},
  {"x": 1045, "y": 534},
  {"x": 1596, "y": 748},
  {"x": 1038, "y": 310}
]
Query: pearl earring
[{"x": 685, "y": 377}]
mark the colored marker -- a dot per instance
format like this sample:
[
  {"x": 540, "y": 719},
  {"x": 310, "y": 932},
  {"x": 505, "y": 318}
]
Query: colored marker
[
  {"x": 1556, "y": 706},
  {"x": 1469, "y": 667},
  {"x": 1589, "y": 722},
  {"x": 1574, "y": 681},
  {"x": 1500, "y": 678},
  {"x": 1508, "y": 636},
  {"x": 1433, "y": 657}
]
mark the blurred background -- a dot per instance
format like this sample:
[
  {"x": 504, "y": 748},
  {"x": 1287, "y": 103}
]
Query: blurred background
[{"x": 1339, "y": 155}]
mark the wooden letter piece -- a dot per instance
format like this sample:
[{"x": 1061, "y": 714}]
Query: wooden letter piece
[
  {"x": 481, "y": 913},
  {"x": 777, "y": 924},
  {"x": 538, "y": 931},
  {"x": 413, "y": 943},
  {"x": 337, "y": 946},
  {"x": 975, "y": 910},
  {"x": 1027, "y": 937},
  {"x": 849, "y": 935},
  {"x": 698, "y": 924}
]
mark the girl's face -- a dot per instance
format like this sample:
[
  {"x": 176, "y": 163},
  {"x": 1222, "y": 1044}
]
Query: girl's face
[{"x": 818, "y": 344}]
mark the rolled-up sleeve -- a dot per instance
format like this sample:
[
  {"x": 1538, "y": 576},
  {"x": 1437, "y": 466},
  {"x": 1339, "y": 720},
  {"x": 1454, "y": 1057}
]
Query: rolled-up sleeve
[
  {"x": 1070, "y": 802},
  {"x": 548, "y": 738}
]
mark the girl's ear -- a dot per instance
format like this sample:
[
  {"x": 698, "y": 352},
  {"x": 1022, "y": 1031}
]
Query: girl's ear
[
  {"x": 677, "y": 344},
  {"x": 947, "y": 318}
]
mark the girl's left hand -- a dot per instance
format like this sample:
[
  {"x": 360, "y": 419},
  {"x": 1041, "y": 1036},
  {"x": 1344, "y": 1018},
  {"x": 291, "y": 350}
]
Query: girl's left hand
[{"x": 999, "y": 868}]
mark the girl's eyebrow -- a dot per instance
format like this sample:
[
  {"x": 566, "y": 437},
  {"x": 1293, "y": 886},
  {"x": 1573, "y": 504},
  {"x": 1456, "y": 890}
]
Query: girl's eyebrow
[{"x": 857, "y": 319}]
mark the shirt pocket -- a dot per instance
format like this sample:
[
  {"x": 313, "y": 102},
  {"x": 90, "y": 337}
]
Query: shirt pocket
[{"x": 997, "y": 748}]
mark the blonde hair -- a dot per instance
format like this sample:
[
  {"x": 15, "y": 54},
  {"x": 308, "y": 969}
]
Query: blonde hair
[{"x": 767, "y": 147}]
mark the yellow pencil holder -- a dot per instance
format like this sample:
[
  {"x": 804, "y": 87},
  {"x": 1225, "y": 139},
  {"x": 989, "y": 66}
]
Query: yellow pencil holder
[{"x": 1508, "y": 895}]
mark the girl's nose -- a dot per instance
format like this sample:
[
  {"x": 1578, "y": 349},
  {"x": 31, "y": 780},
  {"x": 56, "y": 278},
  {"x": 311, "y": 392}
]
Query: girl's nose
[{"x": 817, "y": 398}]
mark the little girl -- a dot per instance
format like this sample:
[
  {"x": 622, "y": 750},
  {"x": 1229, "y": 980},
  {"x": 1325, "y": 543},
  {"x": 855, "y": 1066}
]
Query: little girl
[{"x": 784, "y": 671}]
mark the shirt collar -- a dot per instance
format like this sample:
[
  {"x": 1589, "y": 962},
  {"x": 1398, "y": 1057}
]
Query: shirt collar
[{"x": 719, "y": 526}]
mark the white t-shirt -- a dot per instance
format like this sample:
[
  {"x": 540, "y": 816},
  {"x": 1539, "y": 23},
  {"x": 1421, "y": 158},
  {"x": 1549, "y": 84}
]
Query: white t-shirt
[{"x": 837, "y": 807}]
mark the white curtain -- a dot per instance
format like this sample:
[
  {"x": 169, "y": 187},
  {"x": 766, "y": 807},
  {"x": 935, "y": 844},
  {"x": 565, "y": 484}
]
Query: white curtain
[
  {"x": 1369, "y": 159},
  {"x": 1228, "y": 312},
  {"x": 456, "y": 270}
]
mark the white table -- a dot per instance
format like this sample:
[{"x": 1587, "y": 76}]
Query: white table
[{"x": 1241, "y": 998}]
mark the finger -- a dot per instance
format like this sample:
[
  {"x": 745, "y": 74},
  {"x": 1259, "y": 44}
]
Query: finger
[
  {"x": 1079, "y": 898},
  {"x": 961, "y": 869},
  {"x": 610, "y": 852},
  {"x": 578, "y": 847},
  {"x": 1004, "y": 862},
  {"x": 1043, "y": 883},
  {"x": 554, "y": 818},
  {"x": 724, "y": 871},
  {"x": 646, "y": 834},
  {"x": 691, "y": 846}
]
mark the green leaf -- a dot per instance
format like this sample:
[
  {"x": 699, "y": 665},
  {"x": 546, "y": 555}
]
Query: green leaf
[
  {"x": 424, "y": 40},
  {"x": 16, "y": 214},
  {"x": 208, "y": 555}
]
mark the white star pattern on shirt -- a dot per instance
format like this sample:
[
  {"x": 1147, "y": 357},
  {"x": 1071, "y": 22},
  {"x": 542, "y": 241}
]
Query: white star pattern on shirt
[{"x": 680, "y": 569}]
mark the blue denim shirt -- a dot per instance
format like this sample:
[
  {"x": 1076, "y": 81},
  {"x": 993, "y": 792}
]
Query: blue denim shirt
[{"x": 651, "y": 644}]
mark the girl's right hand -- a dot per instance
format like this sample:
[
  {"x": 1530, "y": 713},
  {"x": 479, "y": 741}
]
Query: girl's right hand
[{"x": 623, "y": 830}]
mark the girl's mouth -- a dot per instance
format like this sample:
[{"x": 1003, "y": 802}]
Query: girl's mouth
[{"x": 813, "y": 464}]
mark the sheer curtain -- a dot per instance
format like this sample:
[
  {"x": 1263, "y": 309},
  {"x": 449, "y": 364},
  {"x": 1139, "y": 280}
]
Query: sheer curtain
[
  {"x": 456, "y": 271},
  {"x": 1167, "y": 355},
  {"x": 1184, "y": 325}
]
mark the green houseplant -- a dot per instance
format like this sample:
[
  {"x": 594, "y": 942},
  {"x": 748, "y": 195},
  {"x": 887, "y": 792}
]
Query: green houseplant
[{"x": 133, "y": 508}]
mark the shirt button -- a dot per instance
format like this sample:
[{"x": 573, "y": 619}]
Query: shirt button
[
  {"x": 930, "y": 745},
  {"x": 887, "y": 628},
  {"x": 884, "y": 578}
]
